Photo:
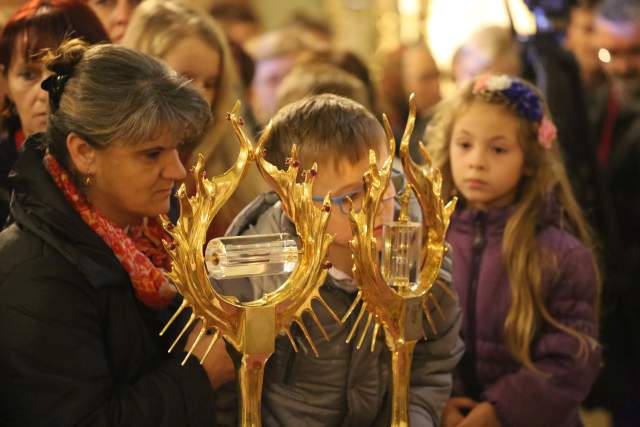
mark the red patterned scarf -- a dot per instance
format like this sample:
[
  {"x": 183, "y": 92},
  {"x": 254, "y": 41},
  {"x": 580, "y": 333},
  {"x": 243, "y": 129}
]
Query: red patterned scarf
[{"x": 139, "y": 249}]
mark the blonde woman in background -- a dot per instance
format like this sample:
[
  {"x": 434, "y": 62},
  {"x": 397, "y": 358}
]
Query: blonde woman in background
[{"x": 191, "y": 42}]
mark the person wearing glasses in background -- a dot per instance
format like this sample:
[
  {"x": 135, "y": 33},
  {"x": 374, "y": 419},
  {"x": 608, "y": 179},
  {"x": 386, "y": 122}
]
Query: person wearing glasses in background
[{"x": 617, "y": 43}]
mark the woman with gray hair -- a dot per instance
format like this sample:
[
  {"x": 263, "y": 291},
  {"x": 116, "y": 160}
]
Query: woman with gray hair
[{"x": 82, "y": 290}]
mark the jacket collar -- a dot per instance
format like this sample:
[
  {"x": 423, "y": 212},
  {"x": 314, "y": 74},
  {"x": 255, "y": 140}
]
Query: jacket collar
[
  {"x": 492, "y": 220},
  {"x": 550, "y": 214}
]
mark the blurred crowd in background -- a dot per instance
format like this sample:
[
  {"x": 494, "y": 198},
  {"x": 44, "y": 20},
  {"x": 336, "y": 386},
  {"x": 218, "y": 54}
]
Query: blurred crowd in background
[{"x": 584, "y": 55}]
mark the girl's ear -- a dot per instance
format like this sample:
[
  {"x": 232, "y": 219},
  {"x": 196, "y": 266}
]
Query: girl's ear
[
  {"x": 528, "y": 169},
  {"x": 82, "y": 155}
]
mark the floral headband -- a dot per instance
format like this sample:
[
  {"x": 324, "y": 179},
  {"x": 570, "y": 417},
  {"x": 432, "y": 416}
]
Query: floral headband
[{"x": 526, "y": 102}]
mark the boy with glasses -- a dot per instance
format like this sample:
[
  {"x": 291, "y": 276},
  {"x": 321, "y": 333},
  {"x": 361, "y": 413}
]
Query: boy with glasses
[{"x": 344, "y": 385}]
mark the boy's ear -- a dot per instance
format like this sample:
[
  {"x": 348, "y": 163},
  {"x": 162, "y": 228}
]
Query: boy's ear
[{"x": 82, "y": 155}]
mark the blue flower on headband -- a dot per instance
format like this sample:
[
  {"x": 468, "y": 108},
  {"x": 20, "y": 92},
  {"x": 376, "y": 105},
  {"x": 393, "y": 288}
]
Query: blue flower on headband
[{"x": 525, "y": 101}]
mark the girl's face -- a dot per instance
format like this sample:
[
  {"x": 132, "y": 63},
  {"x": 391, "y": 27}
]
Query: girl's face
[
  {"x": 23, "y": 87},
  {"x": 487, "y": 161},
  {"x": 114, "y": 15},
  {"x": 198, "y": 61}
]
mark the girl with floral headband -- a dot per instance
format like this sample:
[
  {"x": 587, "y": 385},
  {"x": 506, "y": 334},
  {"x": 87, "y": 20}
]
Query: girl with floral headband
[{"x": 524, "y": 266}]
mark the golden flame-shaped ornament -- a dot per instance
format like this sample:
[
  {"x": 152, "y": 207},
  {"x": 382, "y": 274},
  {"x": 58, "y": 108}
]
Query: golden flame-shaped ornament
[
  {"x": 400, "y": 313},
  {"x": 251, "y": 328}
]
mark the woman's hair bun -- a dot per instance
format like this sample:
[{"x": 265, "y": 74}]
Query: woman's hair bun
[{"x": 63, "y": 59}]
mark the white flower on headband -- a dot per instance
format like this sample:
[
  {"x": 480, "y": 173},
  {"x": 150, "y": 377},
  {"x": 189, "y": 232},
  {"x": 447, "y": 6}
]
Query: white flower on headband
[
  {"x": 496, "y": 83},
  {"x": 492, "y": 83}
]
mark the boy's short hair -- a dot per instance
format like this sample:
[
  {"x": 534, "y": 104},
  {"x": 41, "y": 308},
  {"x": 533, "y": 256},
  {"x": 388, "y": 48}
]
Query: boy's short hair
[{"x": 324, "y": 127}]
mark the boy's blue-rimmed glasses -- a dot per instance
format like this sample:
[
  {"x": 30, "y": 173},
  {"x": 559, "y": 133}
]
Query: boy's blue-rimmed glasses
[{"x": 357, "y": 196}]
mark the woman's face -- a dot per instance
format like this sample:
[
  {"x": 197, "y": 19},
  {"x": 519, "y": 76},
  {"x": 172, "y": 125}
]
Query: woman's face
[
  {"x": 23, "y": 88},
  {"x": 114, "y": 15},
  {"x": 194, "y": 59},
  {"x": 131, "y": 182}
]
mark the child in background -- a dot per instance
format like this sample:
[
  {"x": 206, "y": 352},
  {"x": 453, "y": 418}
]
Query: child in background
[
  {"x": 191, "y": 43},
  {"x": 275, "y": 53},
  {"x": 523, "y": 262},
  {"x": 317, "y": 78},
  {"x": 344, "y": 385},
  {"x": 491, "y": 49}
]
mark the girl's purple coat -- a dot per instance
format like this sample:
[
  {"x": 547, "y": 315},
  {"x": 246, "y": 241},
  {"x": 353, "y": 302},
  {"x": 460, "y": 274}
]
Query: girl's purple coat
[{"x": 521, "y": 397}]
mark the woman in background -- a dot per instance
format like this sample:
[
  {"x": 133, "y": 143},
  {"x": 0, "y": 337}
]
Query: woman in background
[
  {"x": 35, "y": 26},
  {"x": 191, "y": 43}
]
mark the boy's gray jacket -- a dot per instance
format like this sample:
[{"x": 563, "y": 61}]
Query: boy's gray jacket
[{"x": 344, "y": 386}]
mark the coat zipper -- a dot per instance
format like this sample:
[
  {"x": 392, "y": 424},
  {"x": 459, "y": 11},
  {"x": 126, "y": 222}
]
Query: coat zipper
[{"x": 469, "y": 370}]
